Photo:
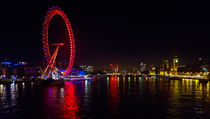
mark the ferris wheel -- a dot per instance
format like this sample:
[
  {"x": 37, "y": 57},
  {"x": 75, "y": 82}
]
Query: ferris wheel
[{"x": 53, "y": 48}]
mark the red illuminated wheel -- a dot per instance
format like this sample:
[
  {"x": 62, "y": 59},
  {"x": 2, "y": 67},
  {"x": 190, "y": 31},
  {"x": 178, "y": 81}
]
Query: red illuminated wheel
[{"x": 46, "y": 46}]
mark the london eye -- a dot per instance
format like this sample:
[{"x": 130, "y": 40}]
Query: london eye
[{"x": 54, "y": 49}]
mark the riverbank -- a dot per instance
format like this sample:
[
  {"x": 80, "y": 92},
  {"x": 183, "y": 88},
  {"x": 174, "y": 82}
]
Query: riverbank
[
  {"x": 15, "y": 80},
  {"x": 38, "y": 82}
]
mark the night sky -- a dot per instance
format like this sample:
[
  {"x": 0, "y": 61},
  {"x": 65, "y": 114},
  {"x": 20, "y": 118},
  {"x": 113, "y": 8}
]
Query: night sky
[{"x": 111, "y": 31}]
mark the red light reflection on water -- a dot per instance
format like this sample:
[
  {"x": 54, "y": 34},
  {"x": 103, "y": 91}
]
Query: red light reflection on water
[
  {"x": 61, "y": 102},
  {"x": 70, "y": 105},
  {"x": 114, "y": 97}
]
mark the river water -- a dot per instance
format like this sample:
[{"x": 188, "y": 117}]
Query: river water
[{"x": 109, "y": 97}]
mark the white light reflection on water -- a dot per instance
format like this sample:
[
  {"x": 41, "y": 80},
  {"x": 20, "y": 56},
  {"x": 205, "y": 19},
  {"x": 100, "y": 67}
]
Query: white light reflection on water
[
  {"x": 86, "y": 98},
  {"x": 13, "y": 93},
  {"x": 1, "y": 88},
  {"x": 23, "y": 84}
]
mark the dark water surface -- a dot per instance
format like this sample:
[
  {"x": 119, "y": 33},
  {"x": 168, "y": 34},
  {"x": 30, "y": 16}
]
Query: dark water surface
[{"x": 110, "y": 97}]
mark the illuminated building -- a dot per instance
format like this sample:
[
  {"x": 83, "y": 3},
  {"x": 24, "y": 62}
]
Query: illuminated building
[
  {"x": 87, "y": 68},
  {"x": 193, "y": 71},
  {"x": 154, "y": 70},
  {"x": 19, "y": 70},
  {"x": 142, "y": 67},
  {"x": 197, "y": 70},
  {"x": 165, "y": 68},
  {"x": 5, "y": 69},
  {"x": 165, "y": 65},
  {"x": 75, "y": 71},
  {"x": 175, "y": 64}
]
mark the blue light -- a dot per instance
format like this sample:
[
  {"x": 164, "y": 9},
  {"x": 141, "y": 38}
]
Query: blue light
[
  {"x": 61, "y": 70},
  {"x": 16, "y": 64},
  {"x": 6, "y": 63},
  {"x": 81, "y": 73}
]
